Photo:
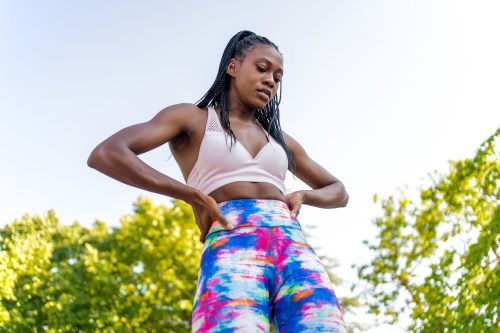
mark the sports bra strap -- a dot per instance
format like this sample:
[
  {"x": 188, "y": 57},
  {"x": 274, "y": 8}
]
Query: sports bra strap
[{"x": 213, "y": 123}]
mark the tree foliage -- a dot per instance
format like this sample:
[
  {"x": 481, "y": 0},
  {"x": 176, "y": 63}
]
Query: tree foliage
[
  {"x": 140, "y": 277},
  {"x": 437, "y": 257}
]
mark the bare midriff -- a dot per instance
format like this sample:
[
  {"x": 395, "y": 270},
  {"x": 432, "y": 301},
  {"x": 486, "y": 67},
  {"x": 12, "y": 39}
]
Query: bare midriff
[{"x": 247, "y": 190}]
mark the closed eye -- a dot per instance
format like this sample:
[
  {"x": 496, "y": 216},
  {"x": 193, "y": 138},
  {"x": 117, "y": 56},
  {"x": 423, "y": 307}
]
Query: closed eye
[{"x": 262, "y": 69}]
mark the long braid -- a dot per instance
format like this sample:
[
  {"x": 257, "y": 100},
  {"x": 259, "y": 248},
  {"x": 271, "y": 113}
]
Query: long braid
[{"x": 217, "y": 95}]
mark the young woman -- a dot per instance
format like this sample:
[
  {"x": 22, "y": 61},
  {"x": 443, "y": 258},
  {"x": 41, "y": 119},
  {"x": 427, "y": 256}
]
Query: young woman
[{"x": 256, "y": 266}]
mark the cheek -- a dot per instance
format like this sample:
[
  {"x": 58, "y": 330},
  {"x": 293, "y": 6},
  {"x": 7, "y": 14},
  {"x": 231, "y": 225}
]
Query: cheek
[
  {"x": 276, "y": 89},
  {"x": 243, "y": 82}
]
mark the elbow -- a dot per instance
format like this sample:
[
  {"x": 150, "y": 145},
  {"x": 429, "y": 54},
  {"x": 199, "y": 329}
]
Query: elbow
[
  {"x": 344, "y": 196},
  {"x": 97, "y": 157},
  {"x": 345, "y": 199}
]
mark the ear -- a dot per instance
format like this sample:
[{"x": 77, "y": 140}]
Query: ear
[{"x": 232, "y": 67}]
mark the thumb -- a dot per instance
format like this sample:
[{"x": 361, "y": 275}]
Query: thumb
[
  {"x": 203, "y": 236},
  {"x": 295, "y": 211}
]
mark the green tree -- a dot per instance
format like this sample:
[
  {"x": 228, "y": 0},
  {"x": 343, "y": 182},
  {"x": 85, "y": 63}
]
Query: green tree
[
  {"x": 437, "y": 257},
  {"x": 140, "y": 277}
]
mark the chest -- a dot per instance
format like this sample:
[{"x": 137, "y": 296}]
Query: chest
[{"x": 251, "y": 137}]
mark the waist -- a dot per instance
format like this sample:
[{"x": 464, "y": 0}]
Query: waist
[
  {"x": 256, "y": 213},
  {"x": 247, "y": 190}
]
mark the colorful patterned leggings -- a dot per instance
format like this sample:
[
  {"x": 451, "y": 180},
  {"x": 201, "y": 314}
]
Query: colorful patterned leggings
[{"x": 263, "y": 271}]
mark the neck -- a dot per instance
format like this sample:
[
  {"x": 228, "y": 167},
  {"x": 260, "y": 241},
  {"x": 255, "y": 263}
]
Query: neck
[{"x": 239, "y": 111}]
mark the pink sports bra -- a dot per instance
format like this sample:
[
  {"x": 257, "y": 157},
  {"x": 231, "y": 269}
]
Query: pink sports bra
[{"x": 218, "y": 166}]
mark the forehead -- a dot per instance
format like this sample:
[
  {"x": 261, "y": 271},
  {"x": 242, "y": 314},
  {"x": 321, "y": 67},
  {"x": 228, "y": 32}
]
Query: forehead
[{"x": 265, "y": 53}]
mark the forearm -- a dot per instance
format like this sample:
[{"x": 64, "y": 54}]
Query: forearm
[
  {"x": 122, "y": 164},
  {"x": 330, "y": 196}
]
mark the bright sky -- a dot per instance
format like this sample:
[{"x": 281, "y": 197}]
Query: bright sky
[{"x": 378, "y": 92}]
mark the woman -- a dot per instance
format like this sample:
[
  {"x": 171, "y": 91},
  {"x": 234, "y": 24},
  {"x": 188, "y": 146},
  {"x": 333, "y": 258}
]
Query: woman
[{"x": 256, "y": 266}]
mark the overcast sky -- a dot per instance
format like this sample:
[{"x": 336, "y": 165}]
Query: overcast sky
[{"x": 378, "y": 92}]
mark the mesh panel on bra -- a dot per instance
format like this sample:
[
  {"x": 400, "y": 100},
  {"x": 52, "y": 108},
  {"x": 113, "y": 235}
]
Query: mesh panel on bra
[{"x": 213, "y": 124}]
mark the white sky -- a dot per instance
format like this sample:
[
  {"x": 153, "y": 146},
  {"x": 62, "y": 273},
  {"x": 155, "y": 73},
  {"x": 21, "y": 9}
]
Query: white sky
[{"x": 378, "y": 92}]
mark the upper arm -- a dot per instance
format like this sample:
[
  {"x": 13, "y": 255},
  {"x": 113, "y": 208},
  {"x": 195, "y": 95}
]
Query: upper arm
[
  {"x": 305, "y": 168},
  {"x": 163, "y": 127}
]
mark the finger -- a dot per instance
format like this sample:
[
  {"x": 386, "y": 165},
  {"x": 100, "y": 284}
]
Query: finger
[
  {"x": 203, "y": 236},
  {"x": 295, "y": 212},
  {"x": 225, "y": 223},
  {"x": 290, "y": 202}
]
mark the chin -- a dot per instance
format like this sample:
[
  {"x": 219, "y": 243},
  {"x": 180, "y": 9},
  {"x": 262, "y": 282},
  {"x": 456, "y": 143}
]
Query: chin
[
  {"x": 261, "y": 105},
  {"x": 256, "y": 102},
  {"x": 256, "y": 106}
]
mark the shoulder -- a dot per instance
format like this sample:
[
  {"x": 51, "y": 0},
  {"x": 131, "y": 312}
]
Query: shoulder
[
  {"x": 183, "y": 110},
  {"x": 185, "y": 116}
]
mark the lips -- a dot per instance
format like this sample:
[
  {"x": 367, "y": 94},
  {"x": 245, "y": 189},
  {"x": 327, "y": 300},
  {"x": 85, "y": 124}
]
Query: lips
[{"x": 266, "y": 92}]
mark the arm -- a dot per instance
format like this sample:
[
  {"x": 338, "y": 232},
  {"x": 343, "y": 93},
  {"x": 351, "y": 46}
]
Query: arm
[
  {"x": 326, "y": 190},
  {"x": 118, "y": 158}
]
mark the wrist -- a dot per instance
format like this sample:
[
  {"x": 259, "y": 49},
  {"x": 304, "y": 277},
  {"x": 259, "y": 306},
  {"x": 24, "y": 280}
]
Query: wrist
[
  {"x": 192, "y": 196},
  {"x": 306, "y": 196}
]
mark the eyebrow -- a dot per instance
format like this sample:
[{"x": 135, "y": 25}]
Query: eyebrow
[{"x": 269, "y": 62}]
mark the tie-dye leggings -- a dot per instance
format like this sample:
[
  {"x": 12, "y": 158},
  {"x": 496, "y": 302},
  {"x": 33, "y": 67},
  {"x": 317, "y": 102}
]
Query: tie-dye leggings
[{"x": 263, "y": 271}]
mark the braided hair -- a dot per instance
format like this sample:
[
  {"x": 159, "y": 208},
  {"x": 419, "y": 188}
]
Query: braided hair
[{"x": 268, "y": 116}]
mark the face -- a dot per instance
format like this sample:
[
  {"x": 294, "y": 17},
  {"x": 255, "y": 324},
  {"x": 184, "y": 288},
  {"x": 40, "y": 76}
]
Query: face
[{"x": 256, "y": 77}]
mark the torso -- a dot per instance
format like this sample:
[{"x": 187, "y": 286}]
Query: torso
[
  {"x": 247, "y": 190},
  {"x": 186, "y": 146}
]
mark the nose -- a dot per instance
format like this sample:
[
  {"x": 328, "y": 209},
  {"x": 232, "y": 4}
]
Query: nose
[{"x": 269, "y": 80}]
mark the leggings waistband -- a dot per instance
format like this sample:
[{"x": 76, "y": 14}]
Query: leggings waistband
[{"x": 255, "y": 213}]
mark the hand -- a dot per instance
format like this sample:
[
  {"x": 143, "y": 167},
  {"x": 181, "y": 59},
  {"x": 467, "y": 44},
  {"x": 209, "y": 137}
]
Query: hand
[
  {"x": 206, "y": 211},
  {"x": 295, "y": 201}
]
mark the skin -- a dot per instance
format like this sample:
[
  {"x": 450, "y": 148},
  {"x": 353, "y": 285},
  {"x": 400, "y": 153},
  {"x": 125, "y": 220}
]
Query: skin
[{"x": 182, "y": 126}]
